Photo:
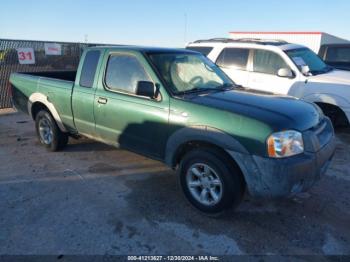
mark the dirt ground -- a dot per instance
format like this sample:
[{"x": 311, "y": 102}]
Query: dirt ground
[{"x": 95, "y": 199}]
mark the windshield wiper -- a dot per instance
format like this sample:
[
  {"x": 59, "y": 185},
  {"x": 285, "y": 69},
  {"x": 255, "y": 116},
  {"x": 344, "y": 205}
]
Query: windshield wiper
[
  {"x": 223, "y": 87},
  {"x": 226, "y": 86},
  {"x": 329, "y": 68},
  {"x": 195, "y": 90},
  {"x": 323, "y": 71}
]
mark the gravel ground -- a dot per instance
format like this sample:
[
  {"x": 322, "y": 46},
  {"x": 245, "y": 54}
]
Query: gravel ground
[{"x": 95, "y": 199}]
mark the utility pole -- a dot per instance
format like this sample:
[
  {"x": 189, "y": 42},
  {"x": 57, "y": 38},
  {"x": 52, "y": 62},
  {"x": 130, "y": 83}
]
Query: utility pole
[{"x": 86, "y": 38}]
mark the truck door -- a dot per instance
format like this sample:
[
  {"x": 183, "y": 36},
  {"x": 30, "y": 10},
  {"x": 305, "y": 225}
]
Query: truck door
[
  {"x": 233, "y": 61},
  {"x": 263, "y": 75},
  {"x": 84, "y": 93},
  {"x": 137, "y": 123}
]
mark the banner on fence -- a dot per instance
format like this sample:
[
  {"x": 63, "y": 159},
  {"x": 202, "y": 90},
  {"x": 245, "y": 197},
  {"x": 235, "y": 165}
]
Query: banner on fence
[{"x": 53, "y": 49}]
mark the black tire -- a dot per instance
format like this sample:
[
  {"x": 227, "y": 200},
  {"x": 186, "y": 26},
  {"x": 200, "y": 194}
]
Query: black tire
[
  {"x": 233, "y": 185},
  {"x": 336, "y": 115},
  {"x": 58, "y": 139},
  {"x": 336, "y": 118}
]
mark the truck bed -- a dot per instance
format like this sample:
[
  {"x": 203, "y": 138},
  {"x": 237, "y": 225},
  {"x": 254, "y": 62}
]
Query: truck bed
[
  {"x": 55, "y": 87},
  {"x": 62, "y": 75}
]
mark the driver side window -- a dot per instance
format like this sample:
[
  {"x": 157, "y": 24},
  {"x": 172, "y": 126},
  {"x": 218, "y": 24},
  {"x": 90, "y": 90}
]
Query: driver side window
[
  {"x": 267, "y": 62},
  {"x": 123, "y": 73}
]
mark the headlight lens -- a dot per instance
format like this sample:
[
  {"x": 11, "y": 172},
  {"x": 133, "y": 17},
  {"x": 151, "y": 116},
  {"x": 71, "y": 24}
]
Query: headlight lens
[{"x": 285, "y": 143}]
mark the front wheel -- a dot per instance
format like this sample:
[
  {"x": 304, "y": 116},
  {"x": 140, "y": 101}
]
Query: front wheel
[
  {"x": 210, "y": 181},
  {"x": 48, "y": 132}
]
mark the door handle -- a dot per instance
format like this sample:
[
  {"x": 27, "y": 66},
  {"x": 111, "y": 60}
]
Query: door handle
[{"x": 102, "y": 100}]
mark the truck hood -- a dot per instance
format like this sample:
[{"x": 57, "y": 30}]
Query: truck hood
[
  {"x": 333, "y": 77},
  {"x": 279, "y": 112}
]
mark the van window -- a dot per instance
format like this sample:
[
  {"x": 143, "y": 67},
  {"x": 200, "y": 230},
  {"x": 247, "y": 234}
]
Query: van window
[
  {"x": 205, "y": 50},
  {"x": 236, "y": 58},
  {"x": 88, "y": 71},
  {"x": 123, "y": 73},
  {"x": 267, "y": 62},
  {"x": 338, "y": 54}
]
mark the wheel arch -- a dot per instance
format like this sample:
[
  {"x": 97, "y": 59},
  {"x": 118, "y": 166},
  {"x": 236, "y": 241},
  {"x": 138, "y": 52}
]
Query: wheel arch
[
  {"x": 330, "y": 101},
  {"x": 327, "y": 98},
  {"x": 39, "y": 101},
  {"x": 188, "y": 138},
  {"x": 340, "y": 114}
]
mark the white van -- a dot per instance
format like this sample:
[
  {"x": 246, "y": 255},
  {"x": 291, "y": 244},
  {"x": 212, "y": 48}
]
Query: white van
[{"x": 277, "y": 67}]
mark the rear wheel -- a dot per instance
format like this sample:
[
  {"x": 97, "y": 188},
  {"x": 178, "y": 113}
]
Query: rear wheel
[
  {"x": 48, "y": 132},
  {"x": 210, "y": 181}
]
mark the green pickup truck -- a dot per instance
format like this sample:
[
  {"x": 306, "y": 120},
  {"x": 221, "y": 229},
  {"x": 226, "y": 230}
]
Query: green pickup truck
[{"x": 176, "y": 106}]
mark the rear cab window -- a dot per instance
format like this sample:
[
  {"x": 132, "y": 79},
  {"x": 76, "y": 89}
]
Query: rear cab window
[
  {"x": 88, "y": 70},
  {"x": 205, "y": 50},
  {"x": 236, "y": 58}
]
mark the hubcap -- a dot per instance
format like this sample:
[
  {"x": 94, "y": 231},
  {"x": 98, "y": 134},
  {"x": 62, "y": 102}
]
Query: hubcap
[
  {"x": 45, "y": 131},
  {"x": 204, "y": 184}
]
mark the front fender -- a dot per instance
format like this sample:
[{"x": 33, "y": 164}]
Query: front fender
[
  {"x": 203, "y": 134},
  {"x": 329, "y": 99}
]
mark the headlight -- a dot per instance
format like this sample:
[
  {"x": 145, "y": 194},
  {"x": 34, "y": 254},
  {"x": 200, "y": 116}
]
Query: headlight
[{"x": 285, "y": 143}]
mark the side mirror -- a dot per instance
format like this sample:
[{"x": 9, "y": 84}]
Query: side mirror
[
  {"x": 305, "y": 70},
  {"x": 285, "y": 72},
  {"x": 145, "y": 88}
]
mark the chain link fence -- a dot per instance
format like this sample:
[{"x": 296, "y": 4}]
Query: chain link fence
[{"x": 13, "y": 60}]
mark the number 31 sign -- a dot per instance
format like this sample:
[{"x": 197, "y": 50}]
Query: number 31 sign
[{"x": 26, "y": 56}]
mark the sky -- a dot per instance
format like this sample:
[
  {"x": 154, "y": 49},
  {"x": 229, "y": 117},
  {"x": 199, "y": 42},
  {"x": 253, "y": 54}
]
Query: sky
[{"x": 165, "y": 23}]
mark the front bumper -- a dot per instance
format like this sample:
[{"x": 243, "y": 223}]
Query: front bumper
[{"x": 270, "y": 177}]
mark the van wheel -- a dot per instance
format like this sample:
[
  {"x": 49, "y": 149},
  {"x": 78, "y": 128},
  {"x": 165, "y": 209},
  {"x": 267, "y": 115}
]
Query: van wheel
[
  {"x": 48, "y": 132},
  {"x": 210, "y": 181}
]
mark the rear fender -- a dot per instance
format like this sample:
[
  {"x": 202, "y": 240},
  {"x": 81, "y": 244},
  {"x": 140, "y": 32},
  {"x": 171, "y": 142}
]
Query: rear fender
[{"x": 38, "y": 97}]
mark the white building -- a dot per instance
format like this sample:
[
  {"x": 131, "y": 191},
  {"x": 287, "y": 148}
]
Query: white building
[{"x": 313, "y": 40}]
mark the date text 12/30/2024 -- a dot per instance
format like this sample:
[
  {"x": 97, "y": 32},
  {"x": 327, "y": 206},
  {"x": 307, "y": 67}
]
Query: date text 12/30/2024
[{"x": 173, "y": 258}]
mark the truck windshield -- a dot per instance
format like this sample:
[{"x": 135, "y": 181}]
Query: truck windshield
[
  {"x": 187, "y": 73},
  {"x": 305, "y": 57}
]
